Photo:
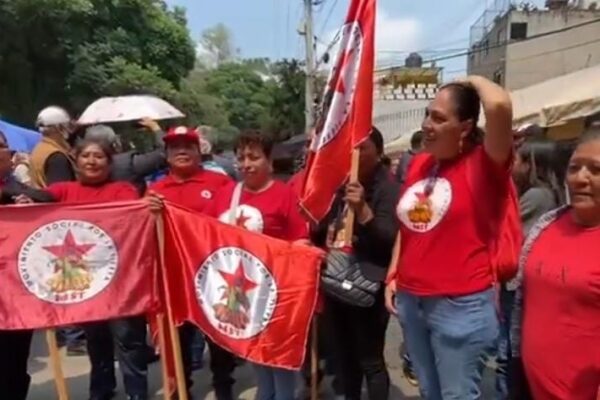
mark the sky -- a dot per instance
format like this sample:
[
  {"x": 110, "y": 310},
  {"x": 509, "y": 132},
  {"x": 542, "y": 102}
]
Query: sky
[{"x": 268, "y": 28}]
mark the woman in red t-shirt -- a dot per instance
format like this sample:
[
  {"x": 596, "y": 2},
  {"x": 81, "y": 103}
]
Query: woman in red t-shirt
[
  {"x": 270, "y": 207},
  {"x": 558, "y": 305},
  {"x": 93, "y": 160},
  {"x": 441, "y": 275}
]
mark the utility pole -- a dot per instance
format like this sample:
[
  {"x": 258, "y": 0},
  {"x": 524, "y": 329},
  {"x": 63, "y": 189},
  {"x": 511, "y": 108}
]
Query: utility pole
[{"x": 310, "y": 65}]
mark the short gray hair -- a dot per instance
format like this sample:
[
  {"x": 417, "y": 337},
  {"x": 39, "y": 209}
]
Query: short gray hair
[{"x": 101, "y": 132}]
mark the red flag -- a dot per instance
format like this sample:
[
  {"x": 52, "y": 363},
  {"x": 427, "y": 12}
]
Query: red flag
[
  {"x": 68, "y": 264},
  {"x": 347, "y": 113},
  {"x": 251, "y": 294}
]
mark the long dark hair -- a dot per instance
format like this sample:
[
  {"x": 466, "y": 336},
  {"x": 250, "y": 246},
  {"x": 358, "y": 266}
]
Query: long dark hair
[{"x": 544, "y": 166}]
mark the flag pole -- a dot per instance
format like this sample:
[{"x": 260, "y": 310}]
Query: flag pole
[
  {"x": 162, "y": 345},
  {"x": 349, "y": 223},
  {"x": 59, "y": 377},
  {"x": 174, "y": 333},
  {"x": 314, "y": 362}
]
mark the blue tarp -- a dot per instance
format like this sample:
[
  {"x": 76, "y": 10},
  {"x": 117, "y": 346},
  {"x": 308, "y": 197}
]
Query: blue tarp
[{"x": 19, "y": 139}]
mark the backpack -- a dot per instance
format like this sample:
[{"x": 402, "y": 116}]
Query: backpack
[{"x": 506, "y": 245}]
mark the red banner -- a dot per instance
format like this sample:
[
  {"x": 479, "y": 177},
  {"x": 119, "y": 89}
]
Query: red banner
[
  {"x": 251, "y": 294},
  {"x": 69, "y": 264},
  {"x": 347, "y": 113}
]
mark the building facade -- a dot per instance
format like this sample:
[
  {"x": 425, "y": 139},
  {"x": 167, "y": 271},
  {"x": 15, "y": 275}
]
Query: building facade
[{"x": 518, "y": 47}]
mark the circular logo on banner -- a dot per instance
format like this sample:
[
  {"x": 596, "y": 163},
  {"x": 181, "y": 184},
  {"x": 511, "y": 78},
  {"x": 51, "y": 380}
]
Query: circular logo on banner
[
  {"x": 206, "y": 194},
  {"x": 67, "y": 261},
  {"x": 237, "y": 292},
  {"x": 421, "y": 213},
  {"x": 341, "y": 85},
  {"x": 246, "y": 217}
]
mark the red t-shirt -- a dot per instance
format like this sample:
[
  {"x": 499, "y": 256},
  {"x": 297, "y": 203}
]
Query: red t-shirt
[
  {"x": 444, "y": 249},
  {"x": 561, "y": 320},
  {"x": 75, "y": 192},
  {"x": 195, "y": 193},
  {"x": 297, "y": 181},
  {"x": 273, "y": 212}
]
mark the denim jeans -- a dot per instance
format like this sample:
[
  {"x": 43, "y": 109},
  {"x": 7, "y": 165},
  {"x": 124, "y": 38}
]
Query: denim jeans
[
  {"x": 129, "y": 335},
  {"x": 448, "y": 339},
  {"x": 197, "y": 349},
  {"x": 71, "y": 336},
  {"x": 503, "y": 359},
  {"x": 275, "y": 383}
]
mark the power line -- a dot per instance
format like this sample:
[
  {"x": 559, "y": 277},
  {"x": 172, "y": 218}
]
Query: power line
[
  {"x": 508, "y": 42},
  {"x": 326, "y": 20}
]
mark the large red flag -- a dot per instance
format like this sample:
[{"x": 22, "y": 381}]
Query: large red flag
[
  {"x": 68, "y": 264},
  {"x": 347, "y": 113},
  {"x": 251, "y": 294}
]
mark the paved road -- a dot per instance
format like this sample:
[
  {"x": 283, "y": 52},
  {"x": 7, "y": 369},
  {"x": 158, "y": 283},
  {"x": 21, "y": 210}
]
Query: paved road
[{"x": 76, "y": 370}]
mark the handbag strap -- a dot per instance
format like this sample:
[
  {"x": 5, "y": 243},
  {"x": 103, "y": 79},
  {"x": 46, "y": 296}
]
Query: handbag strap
[{"x": 235, "y": 202}]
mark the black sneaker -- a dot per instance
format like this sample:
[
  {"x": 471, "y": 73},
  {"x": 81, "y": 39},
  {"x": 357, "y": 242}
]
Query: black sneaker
[
  {"x": 77, "y": 349},
  {"x": 409, "y": 374}
]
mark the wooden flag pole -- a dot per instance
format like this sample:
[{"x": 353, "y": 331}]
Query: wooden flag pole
[
  {"x": 314, "y": 362},
  {"x": 162, "y": 345},
  {"x": 350, "y": 217},
  {"x": 174, "y": 333},
  {"x": 59, "y": 378}
]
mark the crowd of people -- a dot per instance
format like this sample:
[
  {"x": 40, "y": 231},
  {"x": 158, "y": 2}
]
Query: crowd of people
[{"x": 426, "y": 230}]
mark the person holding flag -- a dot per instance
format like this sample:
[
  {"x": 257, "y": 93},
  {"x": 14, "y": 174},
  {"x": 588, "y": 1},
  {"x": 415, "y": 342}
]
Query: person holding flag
[
  {"x": 190, "y": 185},
  {"x": 93, "y": 161},
  {"x": 264, "y": 205}
]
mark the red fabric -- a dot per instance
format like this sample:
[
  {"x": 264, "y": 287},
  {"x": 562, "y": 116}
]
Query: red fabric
[
  {"x": 296, "y": 182},
  {"x": 561, "y": 321},
  {"x": 252, "y": 295},
  {"x": 445, "y": 246},
  {"x": 348, "y": 118},
  {"x": 196, "y": 193},
  {"x": 273, "y": 212},
  {"x": 46, "y": 249},
  {"x": 75, "y": 192}
]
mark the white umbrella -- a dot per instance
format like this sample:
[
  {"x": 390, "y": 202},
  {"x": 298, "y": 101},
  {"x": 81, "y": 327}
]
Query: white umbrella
[{"x": 128, "y": 108}]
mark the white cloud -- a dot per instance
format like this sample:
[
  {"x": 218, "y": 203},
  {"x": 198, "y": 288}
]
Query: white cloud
[{"x": 392, "y": 35}]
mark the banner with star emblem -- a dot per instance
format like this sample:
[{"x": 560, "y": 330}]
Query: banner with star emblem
[
  {"x": 346, "y": 115},
  {"x": 70, "y": 264},
  {"x": 251, "y": 294}
]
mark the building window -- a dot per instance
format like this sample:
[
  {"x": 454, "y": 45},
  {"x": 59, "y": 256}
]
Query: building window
[{"x": 518, "y": 30}]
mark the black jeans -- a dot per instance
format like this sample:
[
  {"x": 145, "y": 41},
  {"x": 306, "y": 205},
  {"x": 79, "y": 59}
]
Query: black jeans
[
  {"x": 128, "y": 337},
  {"x": 222, "y": 363},
  {"x": 359, "y": 343},
  {"x": 14, "y": 353}
]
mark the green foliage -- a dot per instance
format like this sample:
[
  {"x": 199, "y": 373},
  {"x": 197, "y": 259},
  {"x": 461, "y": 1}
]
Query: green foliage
[{"x": 70, "y": 52}]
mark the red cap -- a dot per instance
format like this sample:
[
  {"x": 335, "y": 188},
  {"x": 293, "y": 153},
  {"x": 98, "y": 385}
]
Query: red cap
[{"x": 183, "y": 132}]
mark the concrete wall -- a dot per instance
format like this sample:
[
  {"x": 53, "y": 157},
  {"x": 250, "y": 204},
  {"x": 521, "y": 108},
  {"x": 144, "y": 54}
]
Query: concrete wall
[
  {"x": 488, "y": 58},
  {"x": 396, "y": 118},
  {"x": 524, "y": 63},
  {"x": 537, "y": 60}
]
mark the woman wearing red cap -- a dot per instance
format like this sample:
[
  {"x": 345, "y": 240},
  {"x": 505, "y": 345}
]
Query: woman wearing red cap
[
  {"x": 270, "y": 207},
  {"x": 189, "y": 185}
]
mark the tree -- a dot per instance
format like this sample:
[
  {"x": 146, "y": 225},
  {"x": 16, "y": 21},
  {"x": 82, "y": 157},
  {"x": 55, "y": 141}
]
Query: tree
[
  {"x": 218, "y": 42},
  {"x": 243, "y": 93},
  {"x": 70, "y": 52}
]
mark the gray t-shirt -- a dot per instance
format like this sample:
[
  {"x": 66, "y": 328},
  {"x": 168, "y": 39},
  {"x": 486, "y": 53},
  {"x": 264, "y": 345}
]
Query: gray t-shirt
[{"x": 534, "y": 203}]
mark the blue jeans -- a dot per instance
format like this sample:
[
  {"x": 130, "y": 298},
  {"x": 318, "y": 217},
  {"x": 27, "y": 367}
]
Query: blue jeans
[
  {"x": 275, "y": 383},
  {"x": 129, "y": 336},
  {"x": 504, "y": 350},
  {"x": 197, "y": 349},
  {"x": 448, "y": 339},
  {"x": 71, "y": 336}
]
